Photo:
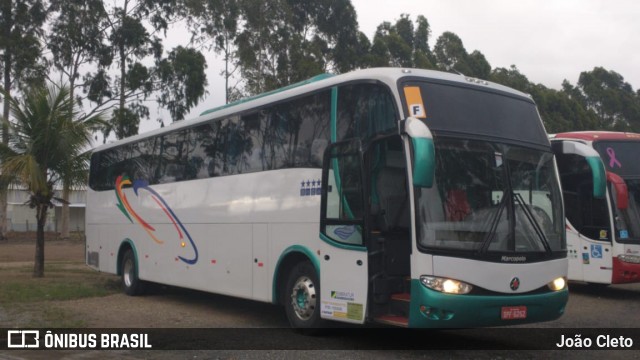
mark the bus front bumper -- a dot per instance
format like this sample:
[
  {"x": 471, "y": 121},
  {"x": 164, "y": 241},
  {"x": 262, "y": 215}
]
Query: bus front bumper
[
  {"x": 625, "y": 272},
  {"x": 433, "y": 309}
]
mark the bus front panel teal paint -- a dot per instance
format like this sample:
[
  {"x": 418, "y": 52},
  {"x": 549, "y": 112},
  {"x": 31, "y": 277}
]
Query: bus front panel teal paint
[{"x": 469, "y": 311}]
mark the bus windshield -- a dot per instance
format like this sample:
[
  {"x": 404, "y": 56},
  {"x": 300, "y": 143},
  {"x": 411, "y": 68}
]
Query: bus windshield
[
  {"x": 628, "y": 220},
  {"x": 491, "y": 197},
  {"x": 620, "y": 157}
]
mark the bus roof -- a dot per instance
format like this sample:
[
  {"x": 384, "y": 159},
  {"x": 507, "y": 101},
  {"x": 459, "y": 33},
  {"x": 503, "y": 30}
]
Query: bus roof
[
  {"x": 598, "y": 135},
  {"x": 389, "y": 76}
]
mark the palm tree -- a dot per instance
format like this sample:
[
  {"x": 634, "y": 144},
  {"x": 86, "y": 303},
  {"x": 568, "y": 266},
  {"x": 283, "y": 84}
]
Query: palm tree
[
  {"x": 43, "y": 140},
  {"x": 76, "y": 170}
]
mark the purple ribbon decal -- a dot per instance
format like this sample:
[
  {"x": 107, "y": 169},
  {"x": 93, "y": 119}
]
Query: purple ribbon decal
[{"x": 612, "y": 158}]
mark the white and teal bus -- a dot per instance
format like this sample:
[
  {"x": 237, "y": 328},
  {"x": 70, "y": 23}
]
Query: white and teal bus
[
  {"x": 407, "y": 197},
  {"x": 600, "y": 177}
]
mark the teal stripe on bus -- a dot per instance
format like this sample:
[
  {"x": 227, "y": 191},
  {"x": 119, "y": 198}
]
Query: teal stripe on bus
[{"x": 259, "y": 96}]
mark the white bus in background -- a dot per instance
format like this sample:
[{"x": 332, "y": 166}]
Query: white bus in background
[
  {"x": 401, "y": 196},
  {"x": 603, "y": 231}
]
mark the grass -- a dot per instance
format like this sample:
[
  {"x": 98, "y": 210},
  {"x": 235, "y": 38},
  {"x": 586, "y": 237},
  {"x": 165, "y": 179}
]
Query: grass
[
  {"x": 28, "y": 301},
  {"x": 37, "y": 290}
]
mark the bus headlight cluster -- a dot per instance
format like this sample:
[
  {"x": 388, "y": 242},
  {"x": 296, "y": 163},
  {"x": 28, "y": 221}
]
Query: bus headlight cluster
[
  {"x": 558, "y": 284},
  {"x": 445, "y": 285},
  {"x": 633, "y": 259}
]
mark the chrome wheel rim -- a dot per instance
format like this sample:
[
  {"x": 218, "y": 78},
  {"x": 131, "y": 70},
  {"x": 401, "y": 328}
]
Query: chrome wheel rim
[{"x": 303, "y": 298}]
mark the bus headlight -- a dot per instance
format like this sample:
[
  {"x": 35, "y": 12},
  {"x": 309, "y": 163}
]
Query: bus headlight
[
  {"x": 445, "y": 285},
  {"x": 633, "y": 259},
  {"x": 557, "y": 284}
]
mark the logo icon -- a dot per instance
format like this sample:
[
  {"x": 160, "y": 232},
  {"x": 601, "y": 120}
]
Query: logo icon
[
  {"x": 515, "y": 283},
  {"x": 25, "y": 339},
  {"x": 596, "y": 251}
]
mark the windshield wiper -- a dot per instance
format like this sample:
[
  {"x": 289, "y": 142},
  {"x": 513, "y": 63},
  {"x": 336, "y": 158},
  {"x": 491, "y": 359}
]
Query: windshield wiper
[
  {"x": 518, "y": 198},
  {"x": 494, "y": 226}
]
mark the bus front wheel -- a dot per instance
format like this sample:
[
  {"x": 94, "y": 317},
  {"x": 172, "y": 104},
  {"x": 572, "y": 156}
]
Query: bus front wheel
[
  {"x": 131, "y": 284},
  {"x": 302, "y": 298}
]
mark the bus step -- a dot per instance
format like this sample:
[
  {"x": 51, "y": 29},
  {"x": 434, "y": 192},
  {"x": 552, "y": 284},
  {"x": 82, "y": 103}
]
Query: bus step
[
  {"x": 401, "y": 297},
  {"x": 394, "y": 320},
  {"x": 399, "y": 304}
]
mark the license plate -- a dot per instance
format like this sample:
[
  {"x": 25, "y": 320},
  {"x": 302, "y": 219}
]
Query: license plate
[{"x": 514, "y": 312}]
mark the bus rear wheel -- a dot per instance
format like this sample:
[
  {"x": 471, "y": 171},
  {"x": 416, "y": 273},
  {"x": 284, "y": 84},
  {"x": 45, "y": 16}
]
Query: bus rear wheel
[
  {"x": 131, "y": 284},
  {"x": 302, "y": 298}
]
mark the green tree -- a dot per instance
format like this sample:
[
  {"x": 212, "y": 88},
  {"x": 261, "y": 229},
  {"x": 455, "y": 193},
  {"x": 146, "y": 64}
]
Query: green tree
[
  {"x": 614, "y": 101},
  {"x": 214, "y": 25},
  {"x": 43, "y": 139},
  {"x": 479, "y": 65},
  {"x": 560, "y": 112},
  {"x": 183, "y": 80},
  {"x": 402, "y": 44},
  {"x": 132, "y": 32},
  {"x": 398, "y": 46},
  {"x": 76, "y": 39},
  {"x": 338, "y": 25},
  {"x": 511, "y": 77},
  {"x": 422, "y": 56},
  {"x": 450, "y": 55},
  {"x": 286, "y": 41},
  {"x": 21, "y": 66}
]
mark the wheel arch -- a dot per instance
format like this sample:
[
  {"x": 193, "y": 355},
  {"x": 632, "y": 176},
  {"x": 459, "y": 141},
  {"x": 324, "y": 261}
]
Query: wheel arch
[
  {"x": 125, "y": 245},
  {"x": 289, "y": 258}
]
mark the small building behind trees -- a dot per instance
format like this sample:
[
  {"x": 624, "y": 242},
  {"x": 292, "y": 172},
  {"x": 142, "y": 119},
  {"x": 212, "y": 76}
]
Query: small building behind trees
[{"x": 22, "y": 218}]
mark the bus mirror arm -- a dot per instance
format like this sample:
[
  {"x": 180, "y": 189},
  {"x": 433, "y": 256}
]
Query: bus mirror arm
[
  {"x": 424, "y": 155},
  {"x": 622, "y": 193}
]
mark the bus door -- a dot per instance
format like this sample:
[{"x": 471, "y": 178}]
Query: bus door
[
  {"x": 389, "y": 218},
  {"x": 343, "y": 257},
  {"x": 587, "y": 209}
]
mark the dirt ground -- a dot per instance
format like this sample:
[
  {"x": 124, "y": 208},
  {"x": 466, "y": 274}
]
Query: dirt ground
[
  {"x": 21, "y": 248},
  {"x": 162, "y": 307},
  {"x": 177, "y": 308}
]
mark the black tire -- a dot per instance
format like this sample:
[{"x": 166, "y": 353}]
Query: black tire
[
  {"x": 302, "y": 299},
  {"x": 131, "y": 284}
]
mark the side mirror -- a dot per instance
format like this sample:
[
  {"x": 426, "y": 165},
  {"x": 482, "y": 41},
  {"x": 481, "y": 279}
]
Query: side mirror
[
  {"x": 424, "y": 153},
  {"x": 593, "y": 159},
  {"x": 622, "y": 193}
]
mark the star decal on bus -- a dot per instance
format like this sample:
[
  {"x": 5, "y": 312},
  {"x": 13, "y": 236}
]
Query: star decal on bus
[{"x": 126, "y": 208}]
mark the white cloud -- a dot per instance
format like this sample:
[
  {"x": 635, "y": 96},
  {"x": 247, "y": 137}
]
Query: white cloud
[{"x": 548, "y": 40}]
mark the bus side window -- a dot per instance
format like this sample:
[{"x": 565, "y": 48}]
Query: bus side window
[
  {"x": 343, "y": 204},
  {"x": 173, "y": 157},
  {"x": 364, "y": 111}
]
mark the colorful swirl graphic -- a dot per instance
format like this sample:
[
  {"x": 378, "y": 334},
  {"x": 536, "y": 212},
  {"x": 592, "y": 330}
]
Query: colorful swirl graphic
[{"x": 127, "y": 210}]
